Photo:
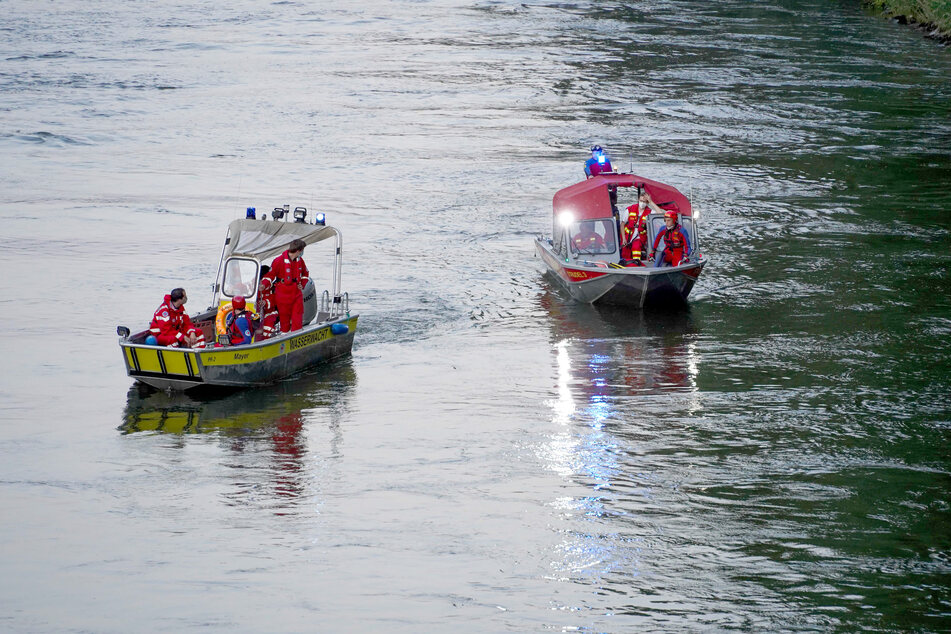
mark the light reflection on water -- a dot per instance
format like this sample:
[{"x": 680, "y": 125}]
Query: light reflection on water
[{"x": 608, "y": 362}]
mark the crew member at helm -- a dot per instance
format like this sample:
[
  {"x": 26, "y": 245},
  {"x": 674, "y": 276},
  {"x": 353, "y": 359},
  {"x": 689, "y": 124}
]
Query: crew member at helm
[
  {"x": 290, "y": 276},
  {"x": 587, "y": 240},
  {"x": 240, "y": 328},
  {"x": 676, "y": 242},
  {"x": 598, "y": 163},
  {"x": 171, "y": 326},
  {"x": 265, "y": 304}
]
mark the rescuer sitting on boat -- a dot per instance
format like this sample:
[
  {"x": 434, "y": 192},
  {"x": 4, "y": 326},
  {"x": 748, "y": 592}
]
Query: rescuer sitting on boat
[
  {"x": 239, "y": 325},
  {"x": 598, "y": 163},
  {"x": 265, "y": 304},
  {"x": 587, "y": 240},
  {"x": 290, "y": 276},
  {"x": 171, "y": 326},
  {"x": 676, "y": 248}
]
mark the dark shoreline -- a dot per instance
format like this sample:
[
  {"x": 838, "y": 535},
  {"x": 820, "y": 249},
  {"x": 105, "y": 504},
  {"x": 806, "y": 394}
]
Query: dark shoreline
[{"x": 931, "y": 30}]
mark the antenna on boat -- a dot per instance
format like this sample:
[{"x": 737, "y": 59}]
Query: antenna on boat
[{"x": 237, "y": 202}]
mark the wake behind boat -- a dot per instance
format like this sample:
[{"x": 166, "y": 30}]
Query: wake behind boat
[
  {"x": 328, "y": 327},
  {"x": 584, "y": 253}
]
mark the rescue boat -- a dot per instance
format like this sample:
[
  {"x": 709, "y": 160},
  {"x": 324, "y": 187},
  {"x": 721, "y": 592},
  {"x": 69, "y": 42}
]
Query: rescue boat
[
  {"x": 328, "y": 330},
  {"x": 598, "y": 275}
]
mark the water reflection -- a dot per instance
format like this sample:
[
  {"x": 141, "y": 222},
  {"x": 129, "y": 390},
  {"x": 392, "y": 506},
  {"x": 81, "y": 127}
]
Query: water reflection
[
  {"x": 264, "y": 431},
  {"x": 240, "y": 411},
  {"x": 617, "y": 372}
]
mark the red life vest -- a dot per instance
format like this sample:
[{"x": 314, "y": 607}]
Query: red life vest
[
  {"x": 674, "y": 239},
  {"x": 674, "y": 243},
  {"x": 633, "y": 234}
]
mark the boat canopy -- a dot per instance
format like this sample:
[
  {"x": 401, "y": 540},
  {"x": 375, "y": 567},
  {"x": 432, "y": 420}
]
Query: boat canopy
[
  {"x": 591, "y": 199},
  {"x": 263, "y": 240}
]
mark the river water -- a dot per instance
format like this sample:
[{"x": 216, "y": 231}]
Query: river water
[{"x": 492, "y": 458}]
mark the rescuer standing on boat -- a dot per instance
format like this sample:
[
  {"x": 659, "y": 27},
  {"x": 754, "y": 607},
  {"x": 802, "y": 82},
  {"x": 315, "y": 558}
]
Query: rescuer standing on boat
[
  {"x": 676, "y": 242},
  {"x": 290, "y": 277},
  {"x": 265, "y": 304},
  {"x": 634, "y": 231},
  {"x": 171, "y": 326}
]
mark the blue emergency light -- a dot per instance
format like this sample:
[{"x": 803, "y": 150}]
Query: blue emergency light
[
  {"x": 319, "y": 218},
  {"x": 250, "y": 214}
]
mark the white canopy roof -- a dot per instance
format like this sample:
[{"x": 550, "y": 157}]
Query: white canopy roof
[{"x": 266, "y": 239}]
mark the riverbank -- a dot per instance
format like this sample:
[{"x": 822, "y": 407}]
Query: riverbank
[{"x": 931, "y": 16}]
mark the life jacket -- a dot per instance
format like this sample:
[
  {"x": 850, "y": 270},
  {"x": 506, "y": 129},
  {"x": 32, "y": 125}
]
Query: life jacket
[
  {"x": 221, "y": 319},
  {"x": 234, "y": 330},
  {"x": 674, "y": 239},
  {"x": 586, "y": 241}
]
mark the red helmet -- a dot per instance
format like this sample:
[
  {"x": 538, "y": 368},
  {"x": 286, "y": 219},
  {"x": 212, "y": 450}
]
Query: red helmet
[
  {"x": 238, "y": 302},
  {"x": 670, "y": 214}
]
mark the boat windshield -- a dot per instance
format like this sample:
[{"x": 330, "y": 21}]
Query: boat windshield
[
  {"x": 241, "y": 276},
  {"x": 593, "y": 237}
]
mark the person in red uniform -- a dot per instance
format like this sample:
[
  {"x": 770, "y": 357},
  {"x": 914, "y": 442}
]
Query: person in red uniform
[
  {"x": 240, "y": 328},
  {"x": 265, "y": 303},
  {"x": 676, "y": 243},
  {"x": 290, "y": 277},
  {"x": 634, "y": 230},
  {"x": 171, "y": 326},
  {"x": 587, "y": 240}
]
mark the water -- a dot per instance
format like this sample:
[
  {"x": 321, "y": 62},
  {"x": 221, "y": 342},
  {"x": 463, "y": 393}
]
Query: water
[{"x": 492, "y": 457}]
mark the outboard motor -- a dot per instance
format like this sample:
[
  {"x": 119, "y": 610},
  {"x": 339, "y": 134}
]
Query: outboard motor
[{"x": 310, "y": 302}]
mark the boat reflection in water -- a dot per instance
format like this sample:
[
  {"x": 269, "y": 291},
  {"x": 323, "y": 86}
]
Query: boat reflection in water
[
  {"x": 265, "y": 425},
  {"x": 622, "y": 374}
]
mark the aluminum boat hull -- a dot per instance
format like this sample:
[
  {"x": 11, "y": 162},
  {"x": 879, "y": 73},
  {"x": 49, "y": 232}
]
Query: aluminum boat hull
[
  {"x": 255, "y": 364},
  {"x": 641, "y": 286}
]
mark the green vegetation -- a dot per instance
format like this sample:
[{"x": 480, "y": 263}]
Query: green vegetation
[{"x": 932, "y": 13}]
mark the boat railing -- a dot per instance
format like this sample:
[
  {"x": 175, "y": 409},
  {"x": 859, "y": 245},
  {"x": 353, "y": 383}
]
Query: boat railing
[{"x": 340, "y": 305}]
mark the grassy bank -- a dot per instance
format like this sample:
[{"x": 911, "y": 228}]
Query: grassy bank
[{"x": 935, "y": 15}]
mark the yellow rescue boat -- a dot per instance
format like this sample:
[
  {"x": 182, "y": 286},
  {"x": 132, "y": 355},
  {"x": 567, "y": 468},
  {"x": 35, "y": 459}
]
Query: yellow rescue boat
[{"x": 328, "y": 330}]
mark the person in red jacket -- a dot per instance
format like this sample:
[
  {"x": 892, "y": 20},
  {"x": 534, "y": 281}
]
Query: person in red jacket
[
  {"x": 587, "y": 240},
  {"x": 290, "y": 277},
  {"x": 240, "y": 327},
  {"x": 676, "y": 243},
  {"x": 265, "y": 303},
  {"x": 171, "y": 326},
  {"x": 634, "y": 230}
]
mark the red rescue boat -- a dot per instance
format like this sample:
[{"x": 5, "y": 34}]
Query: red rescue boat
[{"x": 584, "y": 251}]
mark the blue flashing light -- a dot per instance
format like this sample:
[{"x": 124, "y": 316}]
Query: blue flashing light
[
  {"x": 250, "y": 214},
  {"x": 601, "y": 158},
  {"x": 319, "y": 218}
]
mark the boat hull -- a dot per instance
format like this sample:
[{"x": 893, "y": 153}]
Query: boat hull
[
  {"x": 639, "y": 286},
  {"x": 260, "y": 363}
]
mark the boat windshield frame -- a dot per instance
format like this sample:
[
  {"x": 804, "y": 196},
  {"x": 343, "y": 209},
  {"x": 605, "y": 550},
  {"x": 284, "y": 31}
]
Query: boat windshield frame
[
  {"x": 604, "y": 228},
  {"x": 247, "y": 269}
]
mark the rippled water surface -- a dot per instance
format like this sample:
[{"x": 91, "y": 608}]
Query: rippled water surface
[{"x": 492, "y": 457}]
